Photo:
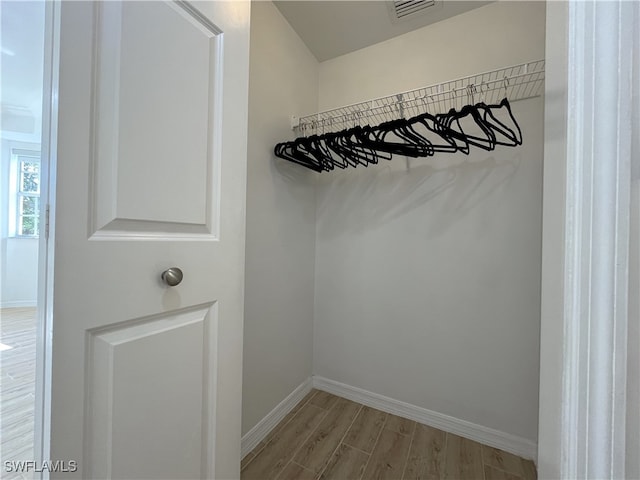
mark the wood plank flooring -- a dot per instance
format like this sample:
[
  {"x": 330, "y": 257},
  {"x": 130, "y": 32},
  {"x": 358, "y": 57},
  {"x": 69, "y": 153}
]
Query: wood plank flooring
[
  {"x": 17, "y": 386},
  {"x": 326, "y": 437}
]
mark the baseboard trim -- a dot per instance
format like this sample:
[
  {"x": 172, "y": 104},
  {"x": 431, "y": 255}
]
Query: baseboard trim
[
  {"x": 488, "y": 436},
  {"x": 259, "y": 432},
  {"x": 19, "y": 304}
]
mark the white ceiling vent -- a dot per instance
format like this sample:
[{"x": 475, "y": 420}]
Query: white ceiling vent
[{"x": 406, "y": 9}]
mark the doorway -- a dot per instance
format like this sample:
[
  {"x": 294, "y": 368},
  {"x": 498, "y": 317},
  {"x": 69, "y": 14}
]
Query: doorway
[{"x": 21, "y": 229}]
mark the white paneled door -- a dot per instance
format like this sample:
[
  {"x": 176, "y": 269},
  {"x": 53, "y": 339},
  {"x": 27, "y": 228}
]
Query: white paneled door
[{"x": 151, "y": 168}]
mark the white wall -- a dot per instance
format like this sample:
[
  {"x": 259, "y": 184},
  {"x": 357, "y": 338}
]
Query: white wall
[
  {"x": 278, "y": 329},
  {"x": 18, "y": 256},
  {"x": 428, "y": 270},
  {"x": 486, "y": 38}
]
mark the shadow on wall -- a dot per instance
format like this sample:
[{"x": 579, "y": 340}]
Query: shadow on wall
[
  {"x": 290, "y": 172},
  {"x": 360, "y": 199}
]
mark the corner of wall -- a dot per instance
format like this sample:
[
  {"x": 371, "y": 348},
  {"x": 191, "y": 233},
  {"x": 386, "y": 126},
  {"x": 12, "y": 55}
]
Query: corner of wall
[{"x": 280, "y": 246}]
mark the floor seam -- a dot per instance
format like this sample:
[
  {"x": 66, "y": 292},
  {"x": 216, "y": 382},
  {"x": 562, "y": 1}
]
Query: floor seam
[
  {"x": 326, "y": 464},
  {"x": 355, "y": 448},
  {"x": 279, "y": 427},
  {"x": 501, "y": 469},
  {"x": 406, "y": 460},
  {"x": 484, "y": 476},
  {"x": 375, "y": 444},
  {"x": 295, "y": 452}
]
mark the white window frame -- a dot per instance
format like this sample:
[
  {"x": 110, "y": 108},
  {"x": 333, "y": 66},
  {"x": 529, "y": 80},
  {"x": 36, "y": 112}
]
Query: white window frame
[{"x": 15, "y": 176}]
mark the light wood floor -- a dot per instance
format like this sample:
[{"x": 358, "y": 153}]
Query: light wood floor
[
  {"x": 328, "y": 437},
  {"x": 17, "y": 385}
]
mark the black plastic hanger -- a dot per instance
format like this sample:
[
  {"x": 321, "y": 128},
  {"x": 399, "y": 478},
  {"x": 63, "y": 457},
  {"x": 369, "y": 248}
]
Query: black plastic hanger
[
  {"x": 513, "y": 137},
  {"x": 381, "y": 138},
  {"x": 287, "y": 151},
  {"x": 486, "y": 142},
  {"x": 442, "y": 139}
]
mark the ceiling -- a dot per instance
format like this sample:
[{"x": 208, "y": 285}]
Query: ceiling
[{"x": 334, "y": 28}]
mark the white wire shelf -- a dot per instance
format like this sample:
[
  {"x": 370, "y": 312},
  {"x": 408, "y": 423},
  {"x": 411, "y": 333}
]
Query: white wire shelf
[{"x": 517, "y": 82}]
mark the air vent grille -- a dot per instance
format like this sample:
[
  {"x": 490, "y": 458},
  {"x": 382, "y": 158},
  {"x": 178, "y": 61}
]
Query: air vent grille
[{"x": 405, "y": 8}]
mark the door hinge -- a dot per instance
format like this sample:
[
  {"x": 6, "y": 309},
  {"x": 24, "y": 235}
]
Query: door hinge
[{"x": 46, "y": 223}]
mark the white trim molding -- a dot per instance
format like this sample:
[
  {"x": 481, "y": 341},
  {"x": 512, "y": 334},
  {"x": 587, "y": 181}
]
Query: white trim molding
[
  {"x": 259, "y": 432},
  {"x": 479, "y": 433},
  {"x": 19, "y": 304},
  {"x": 585, "y": 321},
  {"x": 597, "y": 238}
]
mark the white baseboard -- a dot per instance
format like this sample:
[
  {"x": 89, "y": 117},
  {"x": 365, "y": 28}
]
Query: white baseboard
[
  {"x": 258, "y": 433},
  {"x": 19, "y": 304},
  {"x": 485, "y": 435}
]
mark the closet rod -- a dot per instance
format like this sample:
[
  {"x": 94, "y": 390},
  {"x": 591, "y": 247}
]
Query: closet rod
[{"x": 516, "y": 82}]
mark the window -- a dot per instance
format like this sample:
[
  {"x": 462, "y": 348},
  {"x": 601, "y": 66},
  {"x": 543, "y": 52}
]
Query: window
[{"x": 27, "y": 193}]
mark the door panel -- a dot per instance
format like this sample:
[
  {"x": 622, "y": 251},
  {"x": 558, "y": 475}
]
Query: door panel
[
  {"x": 151, "y": 172},
  {"x": 155, "y": 121},
  {"x": 139, "y": 371}
]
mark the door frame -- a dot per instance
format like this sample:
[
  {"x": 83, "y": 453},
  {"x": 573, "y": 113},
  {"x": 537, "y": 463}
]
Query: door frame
[
  {"x": 44, "y": 329},
  {"x": 586, "y": 230}
]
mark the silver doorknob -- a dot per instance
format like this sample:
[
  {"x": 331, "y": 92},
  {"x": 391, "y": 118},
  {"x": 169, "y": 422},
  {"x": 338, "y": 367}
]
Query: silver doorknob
[{"x": 172, "y": 276}]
